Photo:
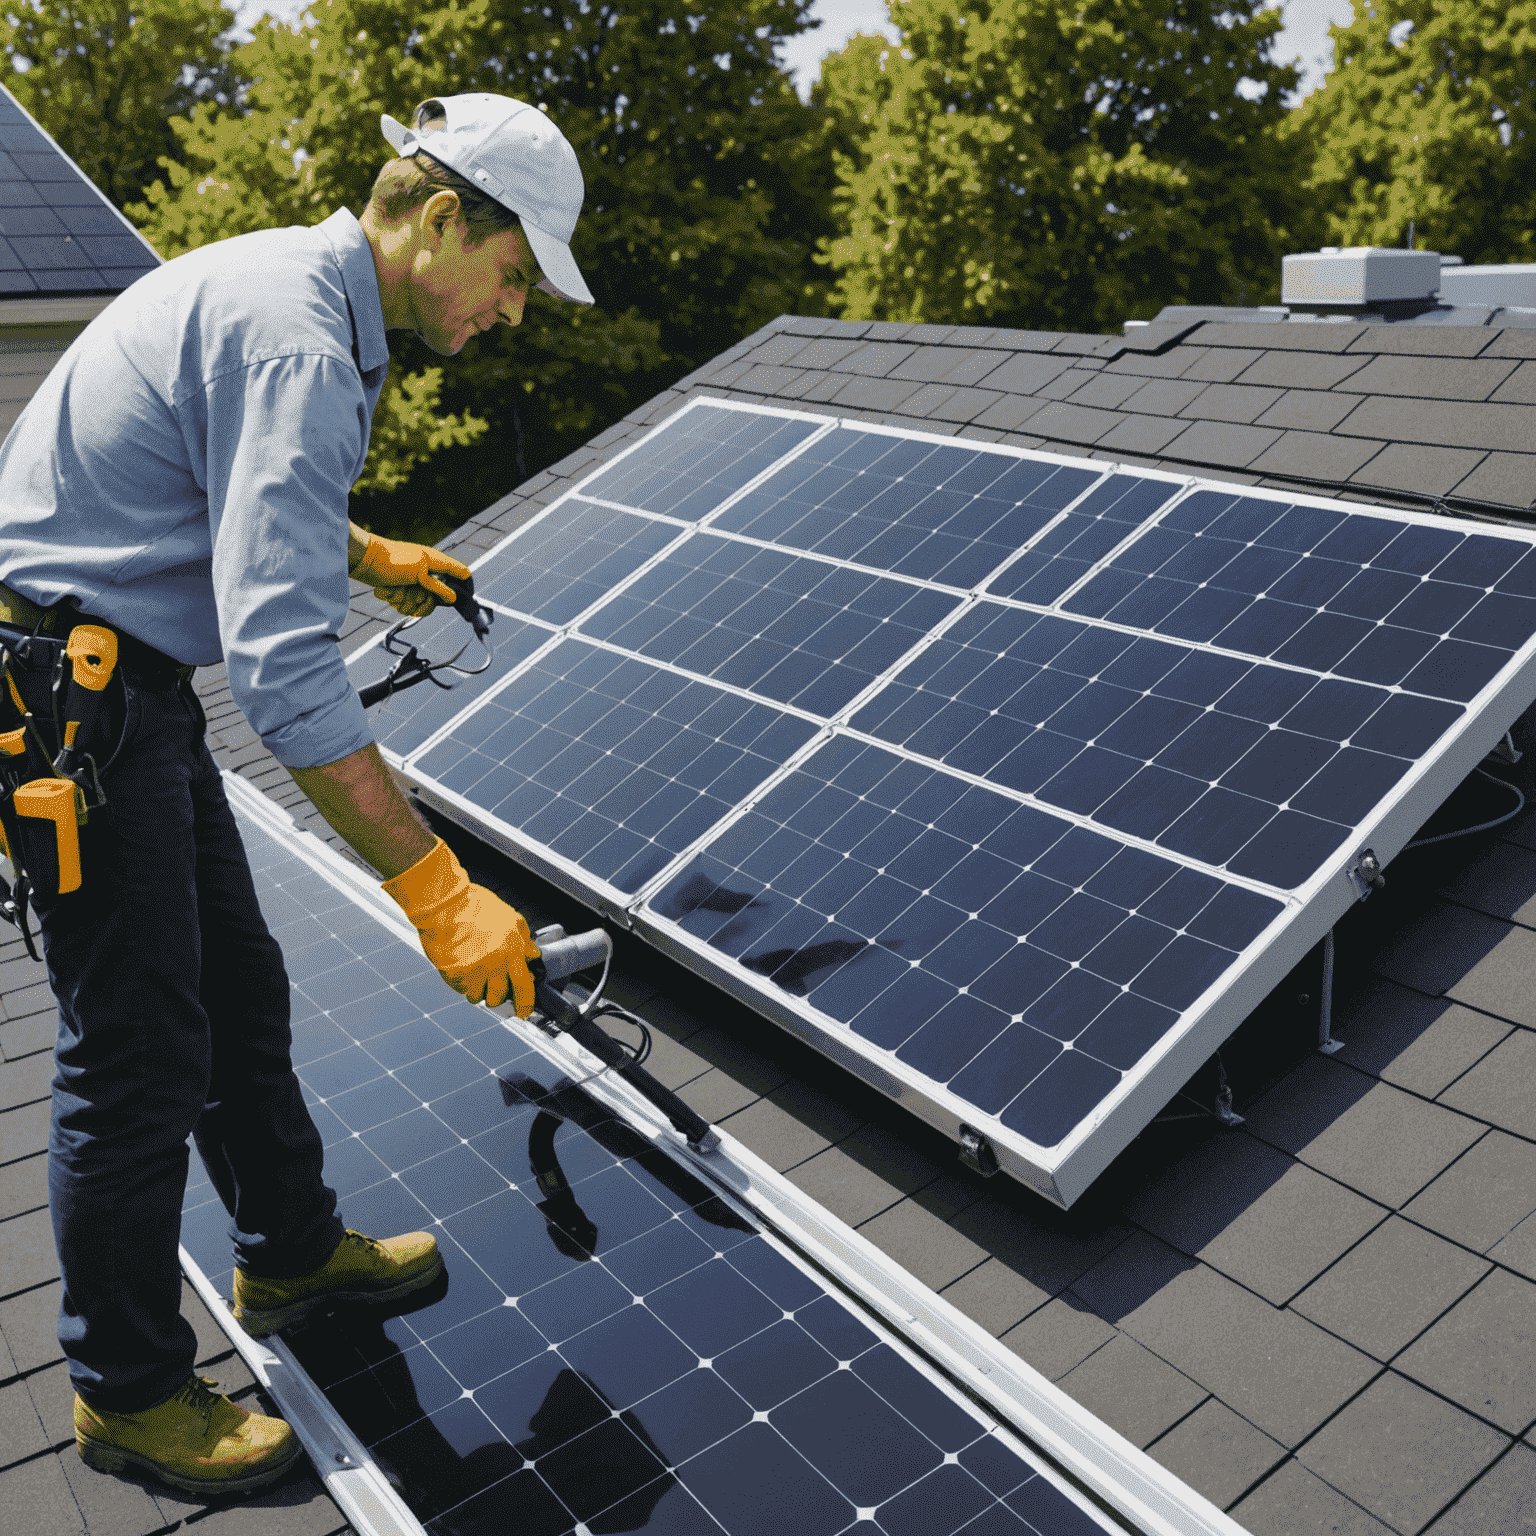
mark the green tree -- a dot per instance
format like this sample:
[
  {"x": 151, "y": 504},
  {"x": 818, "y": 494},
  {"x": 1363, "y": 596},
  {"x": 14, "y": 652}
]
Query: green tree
[
  {"x": 104, "y": 77},
  {"x": 1429, "y": 116},
  {"x": 1068, "y": 163},
  {"x": 697, "y": 228}
]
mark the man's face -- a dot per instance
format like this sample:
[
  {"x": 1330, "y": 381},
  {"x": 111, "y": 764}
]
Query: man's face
[{"x": 457, "y": 291}]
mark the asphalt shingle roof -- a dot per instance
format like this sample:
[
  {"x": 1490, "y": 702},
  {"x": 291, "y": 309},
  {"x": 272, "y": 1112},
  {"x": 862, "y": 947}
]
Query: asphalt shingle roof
[
  {"x": 1324, "y": 1319},
  {"x": 58, "y": 234}
]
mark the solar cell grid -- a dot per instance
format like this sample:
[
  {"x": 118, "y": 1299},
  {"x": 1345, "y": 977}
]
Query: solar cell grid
[
  {"x": 701, "y": 457},
  {"x": 1019, "y": 959},
  {"x": 1236, "y": 681},
  {"x": 800, "y": 631},
  {"x": 610, "y": 762},
  {"x": 1239, "y": 764},
  {"x": 569, "y": 560},
  {"x": 1369, "y": 599},
  {"x": 940, "y": 512},
  {"x": 613, "y": 1345}
]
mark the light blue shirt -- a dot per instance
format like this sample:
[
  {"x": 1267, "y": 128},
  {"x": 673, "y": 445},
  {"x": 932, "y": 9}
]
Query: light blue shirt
[{"x": 184, "y": 471}]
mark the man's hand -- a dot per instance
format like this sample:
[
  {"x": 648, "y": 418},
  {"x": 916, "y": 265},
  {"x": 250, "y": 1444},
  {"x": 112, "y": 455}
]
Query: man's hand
[
  {"x": 480, "y": 946},
  {"x": 403, "y": 574}
]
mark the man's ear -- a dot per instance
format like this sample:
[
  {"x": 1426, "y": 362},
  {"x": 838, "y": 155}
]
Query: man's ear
[{"x": 437, "y": 214}]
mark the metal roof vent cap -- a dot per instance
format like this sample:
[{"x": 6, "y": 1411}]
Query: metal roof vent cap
[{"x": 1358, "y": 276}]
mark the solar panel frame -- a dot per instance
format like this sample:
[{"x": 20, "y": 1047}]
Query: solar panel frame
[
  {"x": 1063, "y": 1170},
  {"x": 317, "y": 892}
]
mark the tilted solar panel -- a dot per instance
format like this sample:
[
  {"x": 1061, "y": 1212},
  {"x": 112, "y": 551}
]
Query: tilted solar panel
[
  {"x": 1069, "y": 763},
  {"x": 615, "y": 1344}
]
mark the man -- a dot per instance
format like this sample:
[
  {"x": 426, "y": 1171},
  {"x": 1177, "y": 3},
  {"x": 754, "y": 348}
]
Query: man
[{"x": 182, "y": 479}]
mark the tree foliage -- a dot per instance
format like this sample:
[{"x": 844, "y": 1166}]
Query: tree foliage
[
  {"x": 1066, "y": 163},
  {"x": 697, "y": 225},
  {"x": 1430, "y": 116},
  {"x": 105, "y": 77}
]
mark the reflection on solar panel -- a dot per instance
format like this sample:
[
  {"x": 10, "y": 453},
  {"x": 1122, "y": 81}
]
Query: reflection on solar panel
[
  {"x": 60, "y": 235},
  {"x": 1068, "y": 764},
  {"x": 615, "y": 1344}
]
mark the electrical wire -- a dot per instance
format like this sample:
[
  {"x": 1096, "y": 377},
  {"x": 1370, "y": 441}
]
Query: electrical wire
[{"x": 1482, "y": 826}]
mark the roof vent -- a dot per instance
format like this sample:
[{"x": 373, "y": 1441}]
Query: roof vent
[{"x": 1359, "y": 275}]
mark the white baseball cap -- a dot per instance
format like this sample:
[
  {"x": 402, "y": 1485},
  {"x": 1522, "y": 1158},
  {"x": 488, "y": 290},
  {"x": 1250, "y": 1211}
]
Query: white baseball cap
[{"x": 521, "y": 159}]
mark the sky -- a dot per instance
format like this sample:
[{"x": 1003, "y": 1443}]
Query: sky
[{"x": 1305, "y": 36}]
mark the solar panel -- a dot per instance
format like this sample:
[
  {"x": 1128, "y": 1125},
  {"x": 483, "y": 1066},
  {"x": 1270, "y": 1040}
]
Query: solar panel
[
  {"x": 616, "y": 1344},
  {"x": 1070, "y": 765},
  {"x": 58, "y": 234}
]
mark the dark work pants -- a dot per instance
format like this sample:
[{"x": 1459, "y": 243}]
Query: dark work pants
[{"x": 173, "y": 1021}]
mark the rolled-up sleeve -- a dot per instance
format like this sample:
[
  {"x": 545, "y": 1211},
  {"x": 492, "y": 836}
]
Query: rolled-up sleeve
[{"x": 284, "y": 440}]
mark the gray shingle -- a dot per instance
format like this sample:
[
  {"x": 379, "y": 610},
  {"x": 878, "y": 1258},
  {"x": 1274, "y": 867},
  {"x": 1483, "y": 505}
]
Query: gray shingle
[
  {"x": 1295, "y": 1501},
  {"x": 1315, "y": 456},
  {"x": 1107, "y": 390},
  {"x": 1388, "y": 1289},
  {"x": 1447, "y": 423},
  {"x": 1082, "y": 346},
  {"x": 1423, "y": 340},
  {"x": 778, "y": 349},
  {"x": 1231, "y": 402},
  {"x": 1168, "y": 366},
  {"x": 763, "y": 379},
  {"x": 1432, "y": 378},
  {"x": 1277, "y": 1370},
  {"x": 1483, "y": 1196},
  {"x": 1503, "y": 1499},
  {"x": 1371, "y": 1136},
  {"x": 1301, "y": 370},
  {"x": 1225, "y": 443},
  {"x": 873, "y": 394},
  {"x": 1218, "y": 1453},
  {"x": 1506, "y": 478},
  {"x": 1520, "y": 387},
  {"x": 1221, "y": 365},
  {"x": 1065, "y": 423},
  {"x": 1310, "y": 410},
  {"x": 1163, "y": 397},
  {"x": 1293, "y": 337},
  {"x": 1141, "y": 434},
  {"x": 1482, "y": 1353},
  {"x": 1131, "y": 1390},
  {"x": 1402, "y": 1453},
  {"x": 875, "y": 358},
  {"x": 1068, "y": 384},
  {"x": 1025, "y": 374},
  {"x": 826, "y": 353},
  {"x": 1255, "y": 1214},
  {"x": 1511, "y": 343},
  {"x": 1009, "y": 412}
]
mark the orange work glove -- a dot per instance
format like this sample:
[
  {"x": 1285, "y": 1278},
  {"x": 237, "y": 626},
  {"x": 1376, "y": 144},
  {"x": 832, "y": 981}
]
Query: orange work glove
[
  {"x": 480, "y": 946},
  {"x": 401, "y": 574}
]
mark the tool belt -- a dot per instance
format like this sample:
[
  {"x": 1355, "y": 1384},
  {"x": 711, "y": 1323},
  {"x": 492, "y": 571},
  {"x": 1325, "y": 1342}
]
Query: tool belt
[{"x": 62, "y": 702}]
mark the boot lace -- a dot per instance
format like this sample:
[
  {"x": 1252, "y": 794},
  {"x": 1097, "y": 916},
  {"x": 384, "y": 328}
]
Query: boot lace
[
  {"x": 372, "y": 1245},
  {"x": 197, "y": 1392}
]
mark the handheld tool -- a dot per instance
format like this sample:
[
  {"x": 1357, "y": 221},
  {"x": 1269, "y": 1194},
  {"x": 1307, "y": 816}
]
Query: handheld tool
[
  {"x": 413, "y": 668},
  {"x": 560, "y": 958},
  {"x": 83, "y": 670}
]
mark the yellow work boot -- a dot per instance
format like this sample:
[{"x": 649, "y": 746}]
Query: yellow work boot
[
  {"x": 196, "y": 1440},
  {"x": 361, "y": 1269}
]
